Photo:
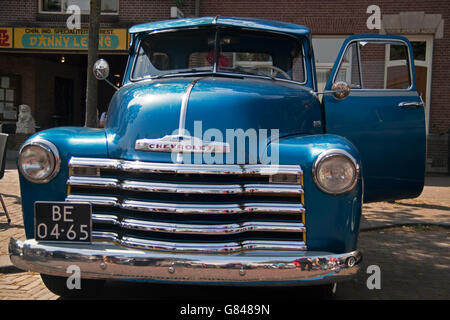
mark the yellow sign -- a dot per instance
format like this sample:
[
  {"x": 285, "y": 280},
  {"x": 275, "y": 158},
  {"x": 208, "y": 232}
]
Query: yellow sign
[
  {"x": 6, "y": 37},
  {"x": 66, "y": 39}
]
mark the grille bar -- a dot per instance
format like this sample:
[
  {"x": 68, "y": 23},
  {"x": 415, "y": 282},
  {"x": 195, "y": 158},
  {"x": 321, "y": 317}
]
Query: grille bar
[
  {"x": 185, "y": 188},
  {"x": 210, "y": 229},
  {"x": 150, "y": 167},
  {"x": 195, "y": 247},
  {"x": 186, "y": 208}
]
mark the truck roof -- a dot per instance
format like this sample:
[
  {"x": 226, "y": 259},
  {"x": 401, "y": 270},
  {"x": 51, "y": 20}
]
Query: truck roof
[{"x": 250, "y": 23}]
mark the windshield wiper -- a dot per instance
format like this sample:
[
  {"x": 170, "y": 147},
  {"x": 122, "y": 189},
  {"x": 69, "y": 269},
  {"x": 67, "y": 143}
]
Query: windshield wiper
[{"x": 178, "y": 73}]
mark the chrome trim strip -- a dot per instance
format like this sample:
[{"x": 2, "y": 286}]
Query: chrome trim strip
[
  {"x": 182, "y": 188},
  {"x": 180, "y": 208},
  {"x": 175, "y": 168},
  {"x": 358, "y": 56},
  {"x": 293, "y": 189},
  {"x": 184, "y": 105},
  {"x": 383, "y": 93},
  {"x": 185, "y": 188},
  {"x": 162, "y": 207},
  {"x": 213, "y": 208},
  {"x": 76, "y": 181},
  {"x": 244, "y": 268},
  {"x": 200, "y": 247},
  {"x": 95, "y": 200},
  {"x": 206, "y": 229}
]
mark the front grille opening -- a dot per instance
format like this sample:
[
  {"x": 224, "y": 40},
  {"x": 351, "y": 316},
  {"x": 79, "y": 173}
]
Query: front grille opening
[
  {"x": 197, "y": 218},
  {"x": 190, "y": 178},
  {"x": 284, "y": 198}
]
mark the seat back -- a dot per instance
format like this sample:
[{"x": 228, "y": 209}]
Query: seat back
[{"x": 3, "y": 141}]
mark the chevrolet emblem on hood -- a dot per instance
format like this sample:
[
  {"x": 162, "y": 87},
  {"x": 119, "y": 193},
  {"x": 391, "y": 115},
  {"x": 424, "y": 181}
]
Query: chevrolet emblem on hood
[{"x": 181, "y": 143}]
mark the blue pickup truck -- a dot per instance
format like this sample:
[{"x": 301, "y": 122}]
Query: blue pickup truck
[{"x": 222, "y": 163}]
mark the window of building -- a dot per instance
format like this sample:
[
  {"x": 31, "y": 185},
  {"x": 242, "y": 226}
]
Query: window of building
[
  {"x": 60, "y": 6},
  {"x": 9, "y": 96},
  {"x": 326, "y": 50}
]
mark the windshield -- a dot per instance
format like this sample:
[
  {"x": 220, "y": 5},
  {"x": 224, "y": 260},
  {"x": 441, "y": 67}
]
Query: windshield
[{"x": 241, "y": 52}]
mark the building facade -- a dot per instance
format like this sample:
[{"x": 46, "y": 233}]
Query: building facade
[{"x": 44, "y": 65}]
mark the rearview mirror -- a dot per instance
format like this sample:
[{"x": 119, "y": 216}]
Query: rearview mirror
[
  {"x": 101, "y": 69},
  {"x": 340, "y": 90}
]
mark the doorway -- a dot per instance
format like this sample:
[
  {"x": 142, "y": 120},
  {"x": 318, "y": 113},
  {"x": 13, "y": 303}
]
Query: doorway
[
  {"x": 63, "y": 102},
  {"x": 423, "y": 60}
]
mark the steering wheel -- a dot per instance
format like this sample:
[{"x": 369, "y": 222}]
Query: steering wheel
[{"x": 273, "y": 71}]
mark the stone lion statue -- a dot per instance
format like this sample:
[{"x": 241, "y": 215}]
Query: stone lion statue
[{"x": 25, "y": 122}]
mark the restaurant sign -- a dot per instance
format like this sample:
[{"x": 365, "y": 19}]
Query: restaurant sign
[
  {"x": 6, "y": 38},
  {"x": 62, "y": 39}
]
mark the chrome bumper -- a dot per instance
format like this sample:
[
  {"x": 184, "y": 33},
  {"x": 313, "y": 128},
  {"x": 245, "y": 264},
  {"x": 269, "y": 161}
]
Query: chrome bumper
[{"x": 108, "y": 261}]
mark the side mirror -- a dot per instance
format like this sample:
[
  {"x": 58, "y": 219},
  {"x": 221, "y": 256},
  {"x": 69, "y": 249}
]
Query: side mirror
[
  {"x": 340, "y": 90},
  {"x": 101, "y": 69}
]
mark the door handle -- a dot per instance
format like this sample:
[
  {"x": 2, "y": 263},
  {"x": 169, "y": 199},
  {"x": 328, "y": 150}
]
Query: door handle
[{"x": 410, "y": 104}]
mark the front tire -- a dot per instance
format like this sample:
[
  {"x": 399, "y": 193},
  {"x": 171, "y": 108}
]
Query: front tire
[{"x": 58, "y": 285}]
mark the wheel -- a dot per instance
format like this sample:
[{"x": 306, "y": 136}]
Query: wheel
[{"x": 58, "y": 285}]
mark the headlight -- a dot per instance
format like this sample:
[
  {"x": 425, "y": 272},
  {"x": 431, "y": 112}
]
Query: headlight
[
  {"x": 39, "y": 161},
  {"x": 335, "y": 171}
]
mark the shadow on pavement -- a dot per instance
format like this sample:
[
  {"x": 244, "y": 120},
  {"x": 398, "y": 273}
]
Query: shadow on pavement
[{"x": 414, "y": 264}]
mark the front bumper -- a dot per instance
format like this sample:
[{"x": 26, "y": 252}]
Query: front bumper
[{"x": 108, "y": 261}]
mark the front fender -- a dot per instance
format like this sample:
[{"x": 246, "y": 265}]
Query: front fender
[
  {"x": 332, "y": 222},
  {"x": 70, "y": 141}
]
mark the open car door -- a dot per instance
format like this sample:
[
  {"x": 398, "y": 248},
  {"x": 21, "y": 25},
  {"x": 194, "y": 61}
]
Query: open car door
[{"x": 383, "y": 115}]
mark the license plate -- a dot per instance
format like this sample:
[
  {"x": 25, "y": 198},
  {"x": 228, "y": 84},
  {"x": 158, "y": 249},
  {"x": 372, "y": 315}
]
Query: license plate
[{"x": 63, "y": 221}]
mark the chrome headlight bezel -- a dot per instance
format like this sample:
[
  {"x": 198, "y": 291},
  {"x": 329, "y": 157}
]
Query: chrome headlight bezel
[
  {"x": 52, "y": 151},
  {"x": 329, "y": 154}
]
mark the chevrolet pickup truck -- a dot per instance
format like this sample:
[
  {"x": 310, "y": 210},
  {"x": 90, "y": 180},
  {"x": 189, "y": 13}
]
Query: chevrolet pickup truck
[{"x": 221, "y": 161}]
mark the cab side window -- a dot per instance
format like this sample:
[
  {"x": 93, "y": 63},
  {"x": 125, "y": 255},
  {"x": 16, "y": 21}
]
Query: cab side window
[{"x": 375, "y": 65}]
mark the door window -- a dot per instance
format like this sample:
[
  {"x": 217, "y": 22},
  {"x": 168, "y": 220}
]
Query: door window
[
  {"x": 326, "y": 50},
  {"x": 375, "y": 65}
]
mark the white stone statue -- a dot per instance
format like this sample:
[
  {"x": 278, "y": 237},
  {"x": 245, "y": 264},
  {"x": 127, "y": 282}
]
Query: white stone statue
[{"x": 25, "y": 122}]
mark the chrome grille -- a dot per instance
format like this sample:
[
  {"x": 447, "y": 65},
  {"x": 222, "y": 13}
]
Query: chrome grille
[{"x": 191, "y": 208}]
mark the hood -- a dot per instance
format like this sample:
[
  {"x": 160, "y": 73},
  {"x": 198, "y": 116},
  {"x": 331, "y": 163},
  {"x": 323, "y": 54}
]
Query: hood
[{"x": 152, "y": 110}]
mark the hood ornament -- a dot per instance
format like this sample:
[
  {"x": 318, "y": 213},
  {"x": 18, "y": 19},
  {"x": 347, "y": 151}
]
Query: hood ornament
[{"x": 181, "y": 143}]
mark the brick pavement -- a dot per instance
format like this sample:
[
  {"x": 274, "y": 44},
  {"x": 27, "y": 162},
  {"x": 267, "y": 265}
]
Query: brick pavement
[{"x": 400, "y": 252}]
